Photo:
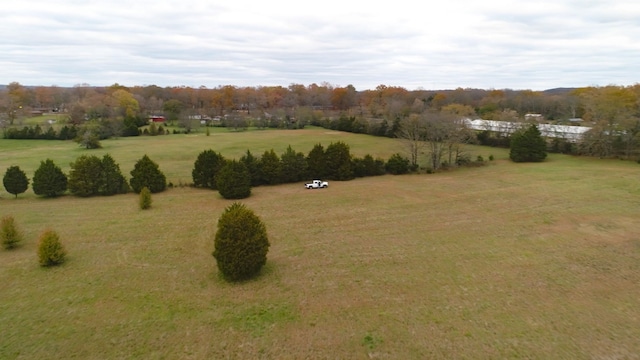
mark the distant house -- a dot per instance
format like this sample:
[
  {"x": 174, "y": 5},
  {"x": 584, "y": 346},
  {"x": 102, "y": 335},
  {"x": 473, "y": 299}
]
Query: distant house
[
  {"x": 533, "y": 117},
  {"x": 156, "y": 118},
  {"x": 199, "y": 117}
]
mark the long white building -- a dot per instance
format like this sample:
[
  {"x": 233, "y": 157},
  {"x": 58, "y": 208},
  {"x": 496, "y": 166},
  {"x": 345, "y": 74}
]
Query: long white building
[{"x": 571, "y": 133}]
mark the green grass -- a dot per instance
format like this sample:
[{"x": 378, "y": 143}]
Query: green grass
[
  {"x": 503, "y": 261},
  {"x": 42, "y": 120},
  {"x": 177, "y": 153}
]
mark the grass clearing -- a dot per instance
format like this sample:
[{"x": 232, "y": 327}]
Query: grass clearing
[
  {"x": 176, "y": 153},
  {"x": 502, "y": 261}
]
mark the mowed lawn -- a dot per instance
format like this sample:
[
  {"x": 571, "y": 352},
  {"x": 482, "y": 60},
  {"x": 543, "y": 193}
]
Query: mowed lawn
[{"x": 502, "y": 261}]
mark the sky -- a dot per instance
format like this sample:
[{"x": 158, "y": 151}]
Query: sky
[{"x": 432, "y": 45}]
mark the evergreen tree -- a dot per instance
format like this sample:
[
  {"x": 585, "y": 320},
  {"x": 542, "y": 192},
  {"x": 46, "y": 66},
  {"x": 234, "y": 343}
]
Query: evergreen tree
[
  {"x": 233, "y": 180},
  {"x": 253, "y": 166},
  {"x": 147, "y": 173},
  {"x": 317, "y": 162},
  {"x": 112, "y": 182},
  {"x": 397, "y": 165},
  {"x": 130, "y": 128},
  {"x": 528, "y": 146},
  {"x": 205, "y": 169},
  {"x": 15, "y": 181},
  {"x": 50, "y": 250},
  {"x": 90, "y": 176},
  {"x": 145, "y": 198},
  {"x": 85, "y": 177},
  {"x": 68, "y": 133},
  {"x": 10, "y": 235},
  {"x": 338, "y": 160},
  {"x": 367, "y": 166},
  {"x": 50, "y": 134},
  {"x": 383, "y": 129},
  {"x": 241, "y": 243},
  {"x": 49, "y": 180},
  {"x": 294, "y": 166},
  {"x": 270, "y": 168}
]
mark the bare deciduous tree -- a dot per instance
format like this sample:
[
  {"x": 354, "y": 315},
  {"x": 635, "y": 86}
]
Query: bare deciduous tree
[
  {"x": 441, "y": 134},
  {"x": 411, "y": 133}
]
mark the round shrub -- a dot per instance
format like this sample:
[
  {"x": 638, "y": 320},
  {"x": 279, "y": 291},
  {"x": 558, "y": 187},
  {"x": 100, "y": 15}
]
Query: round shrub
[
  {"x": 50, "y": 250},
  {"x": 234, "y": 181},
  {"x": 15, "y": 181},
  {"x": 397, "y": 165},
  {"x": 241, "y": 243}
]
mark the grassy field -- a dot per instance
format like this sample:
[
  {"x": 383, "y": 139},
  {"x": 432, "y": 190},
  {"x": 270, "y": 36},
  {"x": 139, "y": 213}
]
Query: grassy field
[
  {"x": 537, "y": 261},
  {"x": 176, "y": 154}
]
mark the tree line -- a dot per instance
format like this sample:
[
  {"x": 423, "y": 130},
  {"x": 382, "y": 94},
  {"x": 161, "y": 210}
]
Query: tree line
[
  {"x": 90, "y": 175},
  {"x": 384, "y": 101},
  {"x": 297, "y": 100},
  {"x": 613, "y": 112}
]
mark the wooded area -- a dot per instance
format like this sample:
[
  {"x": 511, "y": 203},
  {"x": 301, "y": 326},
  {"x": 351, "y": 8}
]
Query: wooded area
[{"x": 613, "y": 112}]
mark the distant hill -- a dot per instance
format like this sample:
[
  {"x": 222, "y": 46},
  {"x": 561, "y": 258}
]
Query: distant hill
[
  {"x": 554, "y": 91},
  {"x": 559, "y": 91}
]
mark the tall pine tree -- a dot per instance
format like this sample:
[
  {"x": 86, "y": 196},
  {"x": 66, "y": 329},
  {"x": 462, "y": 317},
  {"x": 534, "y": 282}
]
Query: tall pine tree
[{"x": 528, "y": 146}]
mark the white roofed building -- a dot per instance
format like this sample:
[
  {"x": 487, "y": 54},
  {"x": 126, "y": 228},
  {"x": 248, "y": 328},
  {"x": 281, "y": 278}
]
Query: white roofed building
[{"x": 571, "y": 133}]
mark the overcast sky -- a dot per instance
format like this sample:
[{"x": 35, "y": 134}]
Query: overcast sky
[{"x": 414, "y": 44}]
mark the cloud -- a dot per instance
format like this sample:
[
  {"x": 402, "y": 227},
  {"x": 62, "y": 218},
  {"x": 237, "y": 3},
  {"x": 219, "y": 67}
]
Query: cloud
[{"x": 464, "y": 43}]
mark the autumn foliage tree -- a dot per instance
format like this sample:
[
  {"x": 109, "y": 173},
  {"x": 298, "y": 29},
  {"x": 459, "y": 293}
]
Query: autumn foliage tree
[{"x": 612, "y": 111}]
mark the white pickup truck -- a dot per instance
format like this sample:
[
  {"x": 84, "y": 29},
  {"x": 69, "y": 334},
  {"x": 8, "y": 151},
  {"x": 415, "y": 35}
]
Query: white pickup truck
[{"x": 316, "y": 184}]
